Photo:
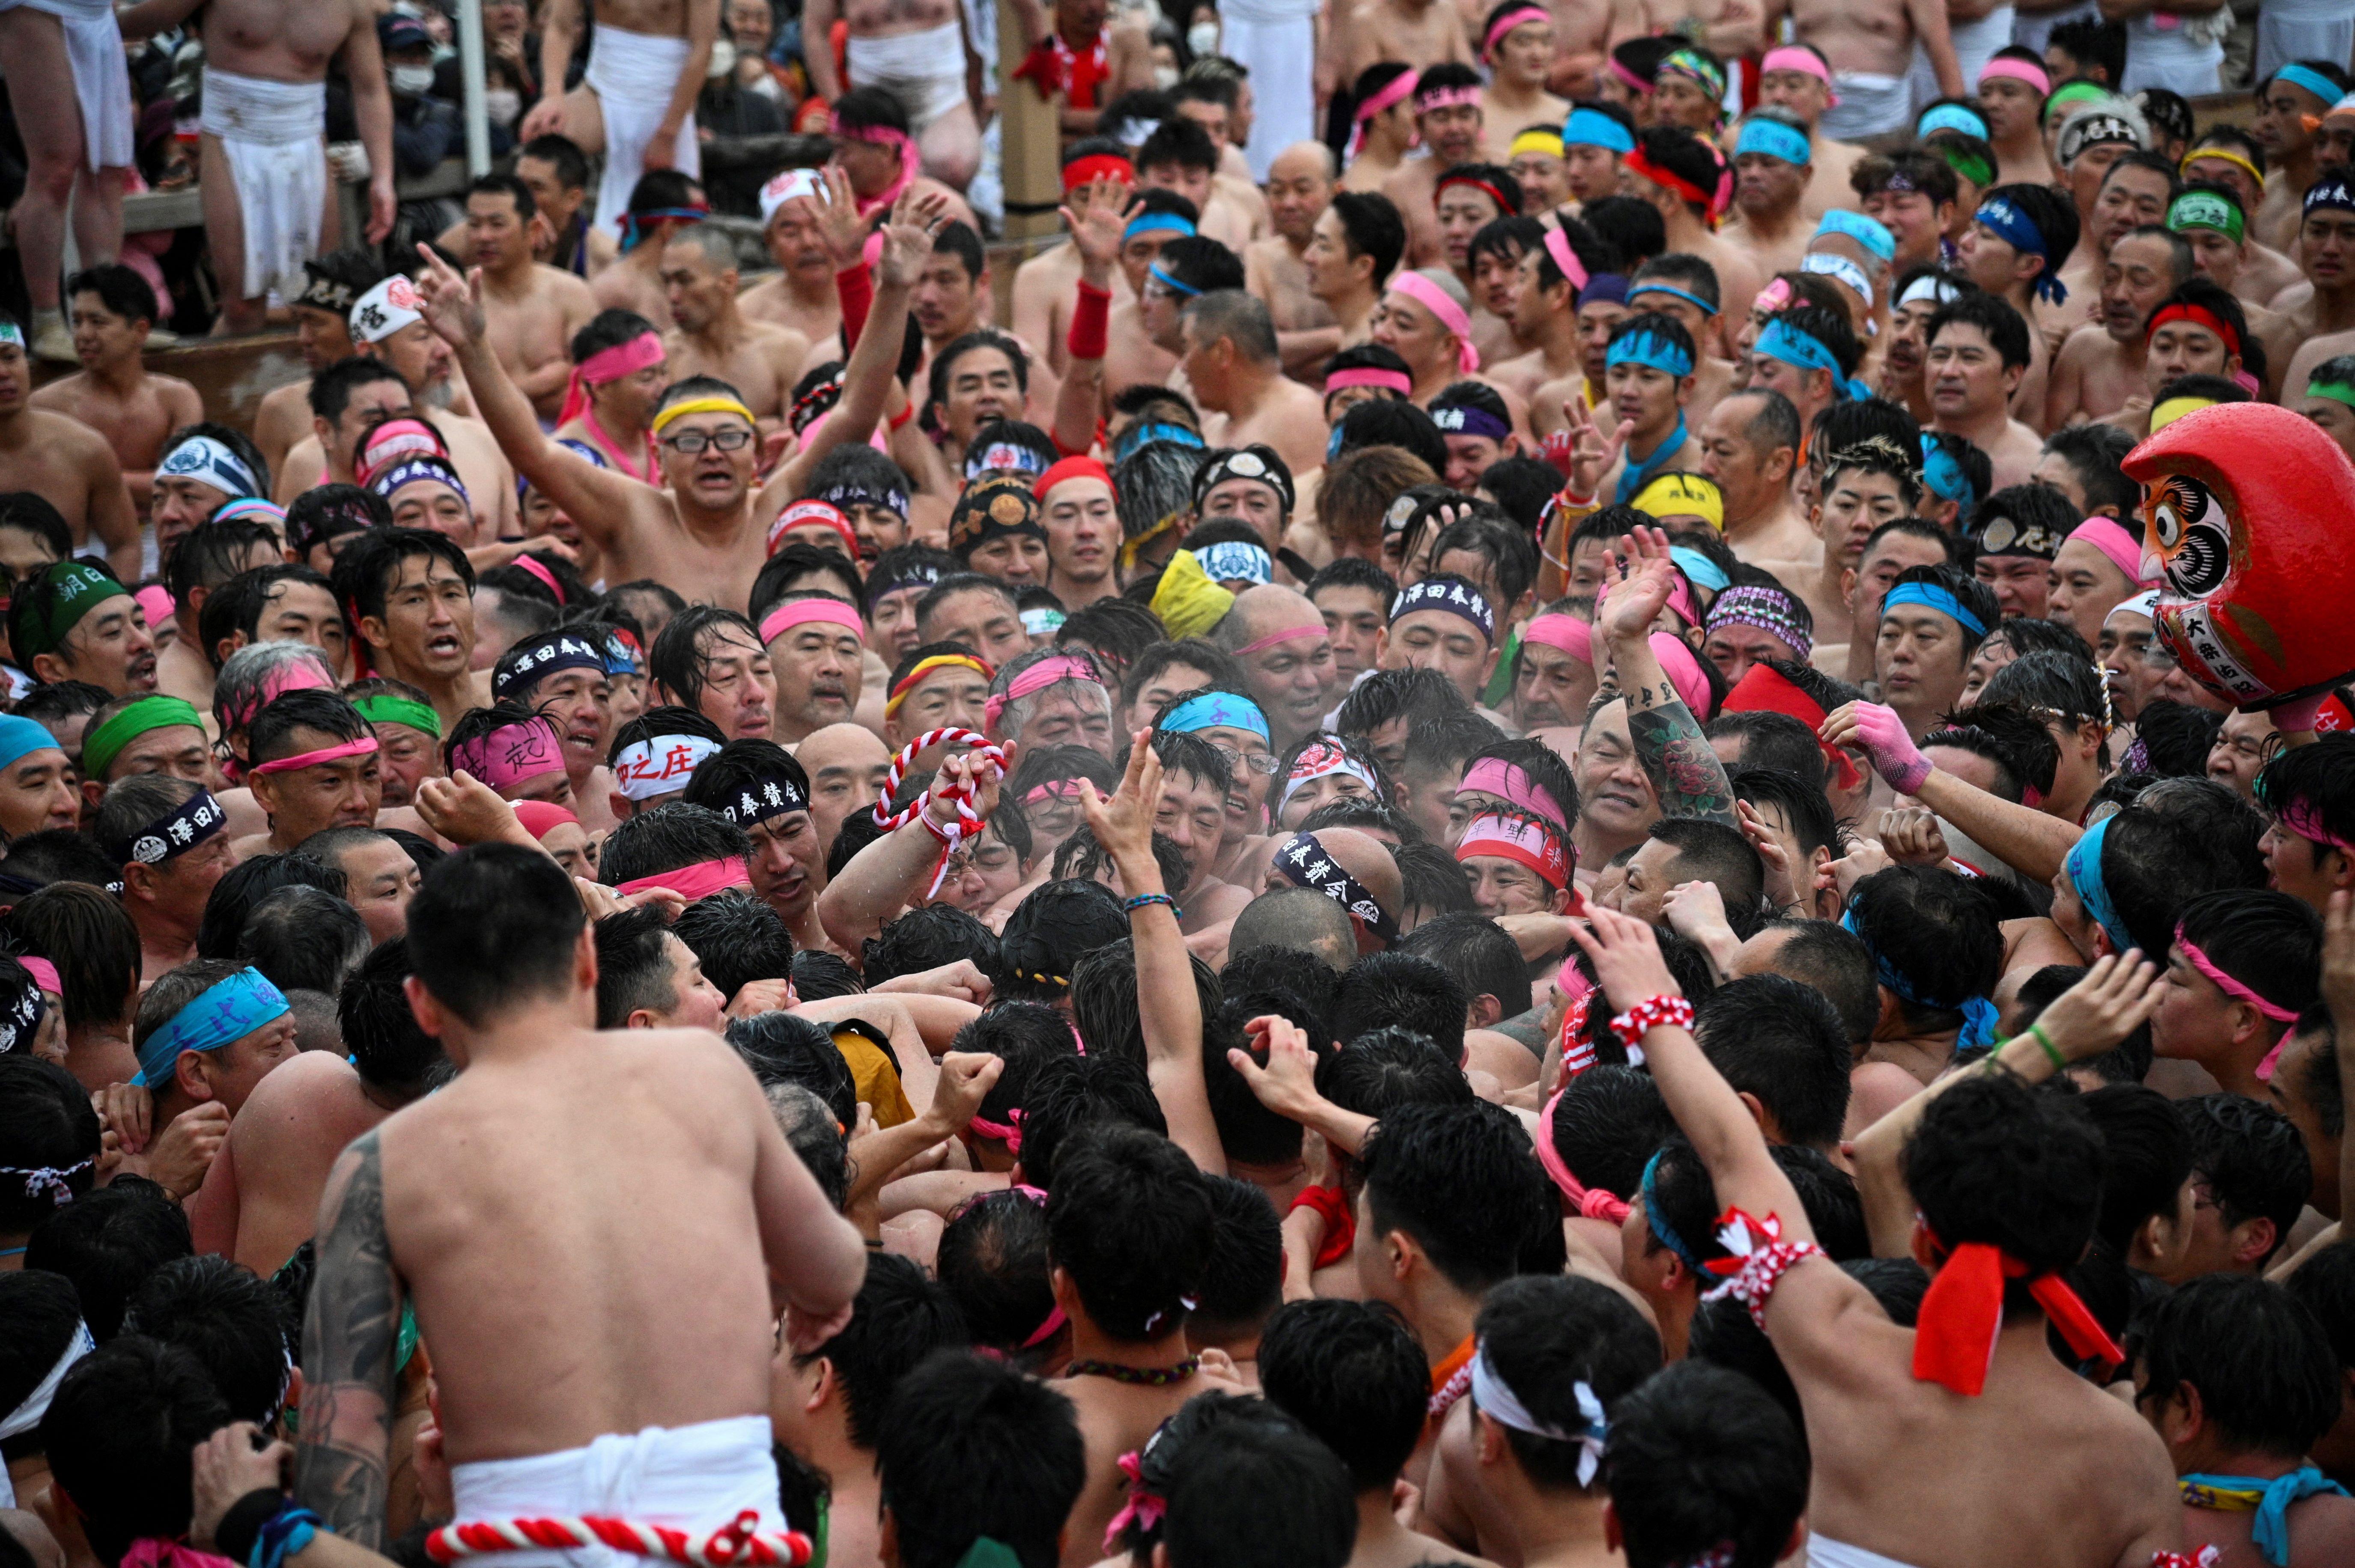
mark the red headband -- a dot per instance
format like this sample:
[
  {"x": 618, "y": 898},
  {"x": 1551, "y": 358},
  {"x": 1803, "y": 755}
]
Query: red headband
[
  {"x": 1504, "y": 209},
  {"x": 1636, "y": 162},
  {"x": 1097, "y": 166},
  {"x": 2199, "y": 315},
  {"x": 1070, "y": 468}
]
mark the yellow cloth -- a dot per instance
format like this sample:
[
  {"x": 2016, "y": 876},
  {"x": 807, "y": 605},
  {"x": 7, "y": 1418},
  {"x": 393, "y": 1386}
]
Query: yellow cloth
[
  {"x": 875, "y": 1078},
  {"x": 1186, "y": 599},
  {"x": 1537, "y": 140},
  {"x": 685, "y": 406},
  {"x": 2174, "y": 408},
  {"x": 1683, "y": 495}
]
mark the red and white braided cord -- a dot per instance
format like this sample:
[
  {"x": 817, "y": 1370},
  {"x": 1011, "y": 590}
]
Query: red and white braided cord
[
  {"x": 739, "y": 1544},
  {"x": 968, "y": 822}
]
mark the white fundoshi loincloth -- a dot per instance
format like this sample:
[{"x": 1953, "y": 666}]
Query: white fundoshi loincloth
[
  {"x": 274, "y": 134},
  {"x": 687, "y": 1478},
  {"x": 1823, "y": 1551},
  {"x": 101, "y": 80},
  {"x": 1870, "y": 104},
  {"x": 633, "y": 75},
  {"x": 924, "y": 71}
]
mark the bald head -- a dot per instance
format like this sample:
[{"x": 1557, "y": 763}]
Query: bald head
[
  {"x": 1368, "y": 861},
  {"x": 1304, "y": 160},
  {"x": 836, "y": 744},
  {"x": 1279, "y": 638},
  {"x": 1259, "y": 612},
  {"x": 846, "y": 765},
  {"x": 1299, "y": 919}
]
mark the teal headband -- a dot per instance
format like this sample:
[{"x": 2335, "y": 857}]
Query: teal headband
[
  {"x": 1653, "y": 286},
  {"x": 2312, "y": 80},
  {"x": 1152, "y": 222},
  {"x": 1699, "y": 569},
  {"x": 1216, "y": 711},
  {"x": 1951, "y": 117},
  {"x": 1931, "y": 596},
  {"x": 1869, "y": 232},
  {"x": 1592, "y": 128},
  {"x": 1775, "y": 141},
  {"x": 223, "y": 1015},
  {"x": 1648, "y": 349},
  {"x": 2083, "y": 864},
  {"x": 1793, "y": 345}
]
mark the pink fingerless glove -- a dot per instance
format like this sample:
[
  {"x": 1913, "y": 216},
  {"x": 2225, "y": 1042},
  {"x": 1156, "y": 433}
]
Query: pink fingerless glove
[
  {"x": 1894, "y": 755},
  {"x": 2297, "y": 717}
]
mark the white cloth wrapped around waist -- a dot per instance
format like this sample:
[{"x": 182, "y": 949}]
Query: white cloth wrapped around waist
[
  {"x": 101, "y": 80},
  {"x": 904, "y": 57},
  {"x": 686, "y": 1477},
  {"x": 272, "y": 133},
  {"x": 256, "y": 109},
  {"x": 635, "y": 65},
  {"x": 1823, "y": 1551}
]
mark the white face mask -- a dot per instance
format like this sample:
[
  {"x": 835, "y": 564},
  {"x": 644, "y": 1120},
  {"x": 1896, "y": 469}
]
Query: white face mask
[
  {"x": 413, "y": 80},
  {"x": 723, "y": 58},
  {"x": 502, "y": 106},
  {"x": 1165, "y": 77},
  {"x": 1202, "y": 38}
]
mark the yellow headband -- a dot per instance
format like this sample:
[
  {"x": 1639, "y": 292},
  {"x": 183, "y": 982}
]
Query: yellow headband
[
  {"x": 1683, "y": 495},
  {"x": 926, "y": 667},
  {"x": 1546, "y": 142},
  {"x": 1186, "y": 599},
  {"x": 2222, "y": 155},
  {"x": 687, "y": 406},
  {"x": 2174, "y": 408}
]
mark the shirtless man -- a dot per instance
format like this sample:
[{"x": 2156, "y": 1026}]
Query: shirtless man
[
  {"x": 1043, "y": 285},
  {"x": 697, "y": 535},
  {"x": 664, "y": 202},
  {"x": 1447, "y": 115},
  {"x": 951, "y": 299},
  {"x": 2013, "y": 87},
  {"x": 426, "y": 1211},
  {"x": 1750, "y": 447},
  {"x": 1518, "y": 46},
  {"x": 2013, "y": 248},
  {"x": 64, "y": 462},
  {"x": 387, "y": 325},
  {"x": 1300, "y": 185},
  {"x": 916, "y": 51},
  {"x": 714, "y": 338},
  {"x": 1772, "y": 176},
  {"x": 646, "y": 62},
  {"x": 2324, "y": 305},
  {"x": 112, "y": 308},
  {"x": 800, "y": 295},
  {"x": 1869, "y": 48},
  {"x": 1230, "y": 361},
  {"x": 1695, "y": 166},
  {"x": 1421, "y": 33},
  {"x": 1132, "y": 357},
  {"x": 2290, "y": 104},
  {"x": 1977, "y": 353},
  {"x": 1082, "y": 64},
  {"x": 263, "y": 172},
  {"x": 1385, "y": 132},
  {"x": 2223, "y": 155},
  {"x": 332, "y": 284},
  {"x": 1545, "y": 314},
  {"x": 1795, "y": 77},
  {"x": 2100, "y": 368},
  {"x": 532, "y": 309}
]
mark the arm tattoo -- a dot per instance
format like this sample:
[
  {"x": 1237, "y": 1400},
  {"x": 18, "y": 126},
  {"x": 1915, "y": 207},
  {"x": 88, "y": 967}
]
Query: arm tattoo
[
  {"x": 350, "y": 1333},
  {"x": 1680, "y": 760}
]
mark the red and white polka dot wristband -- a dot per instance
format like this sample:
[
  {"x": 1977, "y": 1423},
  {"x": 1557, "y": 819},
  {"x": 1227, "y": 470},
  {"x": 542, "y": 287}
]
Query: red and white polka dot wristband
[{"x": 1673, "y": 1012}]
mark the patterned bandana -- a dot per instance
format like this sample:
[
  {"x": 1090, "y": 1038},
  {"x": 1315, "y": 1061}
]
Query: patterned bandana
[
  {"x": 1304, "y": 862},
  {"x": 1770, "y": 609},
  {"x": 1451, "y": 595}
]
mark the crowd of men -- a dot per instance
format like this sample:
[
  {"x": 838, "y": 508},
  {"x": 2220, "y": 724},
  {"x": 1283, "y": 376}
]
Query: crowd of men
[{"x": 1482, "y": 852}]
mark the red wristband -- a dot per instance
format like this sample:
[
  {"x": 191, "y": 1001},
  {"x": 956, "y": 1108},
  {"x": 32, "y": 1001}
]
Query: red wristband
[
  {"x": 855, "y": 286},
  {"x": 1089, "y": 320},
  {"x": 1671, "y": 1012},
  {"x": 903, "y": 416}
]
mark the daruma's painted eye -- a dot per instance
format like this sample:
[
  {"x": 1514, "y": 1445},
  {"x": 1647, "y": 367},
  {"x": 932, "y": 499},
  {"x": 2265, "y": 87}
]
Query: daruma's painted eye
[{"x": 2195, "y": 535}]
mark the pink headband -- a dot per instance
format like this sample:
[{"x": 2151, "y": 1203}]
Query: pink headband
[
  {"x": 700, "y": 880},
  {"x": 882, "y": 135},
  {"x": 154, "y": 602},
  {"x": 1284, "y": 636},
  {"x": 1493, "y": 775},
  {"x": 1568, "y": 633},
  {"x": 1557, "y": 244},
  {"x": 546, "y": 576},
  {"x": 2301, "y": 818},
  {"x": 609, "y": 365},
  {"x": 1772, "y": 298},
  {"x": 360, "y": 748},
  {"x": 1382, "y": 98},
  {"x": 1370, "y": 375},
  {"x": 542, "y": 817},
  {"x": 1805, "y": 61},
  {"x": 513, "y": 755},
  {"x": 1445, "y": 98},
  {"x": 1683, "y": 670},
  {"x": 1053, "y": 789},
  {"x": 2226, "y": 984},
  {"x": 1507, "y": 22},
  {"x": 1681, "y": 600},
  {"x": 1039, "y": 678},
  {"x": 44, "y": 973},
  {"x": 800, "y": 611},
  {"x": 1451, "y": 316},
  {"x": 1633, "y": 81},
  {"x": 295, "y": 675},
  {"x": 1591, "y": 1202},
  {"x": 2018, "y": 71},
  {"x": 2111, "y": 538}
]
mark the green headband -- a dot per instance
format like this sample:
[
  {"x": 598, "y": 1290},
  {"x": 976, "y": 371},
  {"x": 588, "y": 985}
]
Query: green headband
[
  {"x": 2206, "y": 209},
  {"x": 2337, "y": 392},
  {"x": 385, "y": 709},
  {"x": 69, "y": 590},
  {"x": 1965, "y": 163},
  {"x": 104, "y": 744}
]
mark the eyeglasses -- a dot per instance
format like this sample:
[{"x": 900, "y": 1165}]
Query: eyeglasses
[
  {"x": 1257, "y": 761},
  {"x": 691, "y": 443}
]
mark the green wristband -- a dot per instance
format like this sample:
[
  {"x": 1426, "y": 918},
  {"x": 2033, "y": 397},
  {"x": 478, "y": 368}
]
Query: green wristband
[{"x": 2051, "y": 1052}]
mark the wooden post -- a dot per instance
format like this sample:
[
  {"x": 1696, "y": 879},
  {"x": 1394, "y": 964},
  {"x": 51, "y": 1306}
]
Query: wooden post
[{"x": 1033, "y": 142}]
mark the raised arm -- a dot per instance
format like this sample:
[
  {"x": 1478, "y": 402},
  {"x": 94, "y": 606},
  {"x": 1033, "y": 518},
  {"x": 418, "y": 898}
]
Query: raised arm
[
  {"x": 2031, "y": 842},
  {"x": 891, "y": 873},
  {"x": 1674, "y": 755},
  {"x": 1078, "y": 401},
  {"x": 343, "y": 1467},
  {"x": 601, "y": 499},
  {"x": 1170, "y": 1007}
]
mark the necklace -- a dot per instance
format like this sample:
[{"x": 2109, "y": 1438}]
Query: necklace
[{"x": 1149, "y": 1377}]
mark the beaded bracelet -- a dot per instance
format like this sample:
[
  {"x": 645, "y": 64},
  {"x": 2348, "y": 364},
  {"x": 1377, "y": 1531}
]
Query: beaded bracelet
[
  {"x": 1142, "y": 901},
  {"x": 1670, "y": 1012}
]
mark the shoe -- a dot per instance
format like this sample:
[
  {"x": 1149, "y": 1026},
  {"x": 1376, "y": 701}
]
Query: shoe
[
  {"x": 52, "y": 340},
  {"x": 163, "y": 338}
]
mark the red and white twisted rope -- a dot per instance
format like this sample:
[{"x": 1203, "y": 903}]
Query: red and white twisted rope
[
  {"x": 968, "y": 822},
  {"x": 739, "y": 1544}
]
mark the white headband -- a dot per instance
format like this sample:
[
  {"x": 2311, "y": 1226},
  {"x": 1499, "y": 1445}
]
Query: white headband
[
  {"x": 386, "y": 309},
  {"x": 643, "y": 773},
  {"x": 27, "y": 1416},
  {"x": 1497, "y": 1401}
]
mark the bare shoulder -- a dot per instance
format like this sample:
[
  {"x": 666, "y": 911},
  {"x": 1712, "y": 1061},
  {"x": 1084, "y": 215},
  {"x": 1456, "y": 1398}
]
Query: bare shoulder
[
  {"x": 63, "y": 395},
  {"x": 174, "y": 388},
  {"x": 565, "y": 287}
]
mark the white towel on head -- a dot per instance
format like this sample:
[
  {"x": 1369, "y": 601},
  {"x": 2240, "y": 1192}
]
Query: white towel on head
[{"x": 275, "y": 136}]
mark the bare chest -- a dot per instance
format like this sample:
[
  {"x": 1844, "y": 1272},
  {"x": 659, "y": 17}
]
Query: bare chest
[{"x": 300, "y": 33}]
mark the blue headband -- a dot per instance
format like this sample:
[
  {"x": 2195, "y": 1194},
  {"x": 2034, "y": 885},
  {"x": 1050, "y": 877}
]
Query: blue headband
[
  {"x": 2313, "y": 81},
  {"x": 1932, "y": 596},
  {"x": 1699, "y": 569},
  {"x": 1137, "y": 435},
  {"x": 1648, "y": 349},
  {"x": 1233, "y": 558},
  {"x": 1166, "y": 281},
  {"x": 1653, "y": 286},
  {"x": 543, "y": 657},
  {"x": 1216, "y": 711},
  {"x": 1944, "y": 475},
  {"x": 2013, "y": 227},
  {"x": 1151, "y": 222},
  {"x": 1791, "y": 345},
  {"x": 1662, "y": 1231},
  {"x": 1451, "y": 595},
  {"x": 2083, "y": 864},
  {"x": 223, "y": 1015},
  {"x": 1980, "y": 1016},
  {"x": 1869, "y": 232},
  {"x": 1592, "y": 128},
  {"x": 1776, "y": 141},
  {"x": 19, "y": 736},
  {"x": 1951, "y": 117}
]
